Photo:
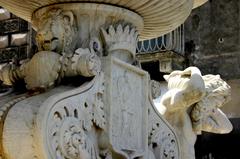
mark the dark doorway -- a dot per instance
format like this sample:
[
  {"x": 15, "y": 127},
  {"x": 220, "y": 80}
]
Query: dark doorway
[{"x": 219, "y": 146}]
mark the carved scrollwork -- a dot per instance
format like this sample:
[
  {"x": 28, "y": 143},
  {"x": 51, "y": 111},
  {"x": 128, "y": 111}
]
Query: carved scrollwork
[
  {"x": 72, "y": 123},
  {"x": 70, "y": 135},
  {"x": 74, "y": 141},
  {"x": 98, "y": 113},
  {"x": 163, "y": 141},
  {"x": 165, "y": 145},
  {"x": 3, "y": 112}
]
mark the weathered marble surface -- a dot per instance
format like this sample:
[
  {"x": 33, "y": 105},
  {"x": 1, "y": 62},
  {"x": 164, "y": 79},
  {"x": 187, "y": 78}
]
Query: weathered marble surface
[
  {"x": 61, "y": 52},
  {"x": 110, "y": 116},
  {"x": 192, "y": 105},
  {"x": 216, "y": 49}
]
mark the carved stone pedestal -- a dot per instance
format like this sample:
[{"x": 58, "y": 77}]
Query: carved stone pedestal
[{"x": 110, "y": 116}]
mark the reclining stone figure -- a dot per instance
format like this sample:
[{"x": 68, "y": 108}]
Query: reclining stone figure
[{"x": 192, "y": 106}]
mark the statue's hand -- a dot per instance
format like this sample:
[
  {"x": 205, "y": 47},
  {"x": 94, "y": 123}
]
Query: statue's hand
[{"x": 185, "y": 88}]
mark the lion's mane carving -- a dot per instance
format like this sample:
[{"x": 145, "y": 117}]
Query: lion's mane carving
[{"x": 57, "y": 32}]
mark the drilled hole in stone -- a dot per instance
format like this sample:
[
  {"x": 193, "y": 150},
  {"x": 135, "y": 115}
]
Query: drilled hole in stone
[
  {"x": 154, "y": 145},
  {"x": 85, "y": 105},
  {"x": 99, "y": 96},
  {"x": 221, "y": 40},
  {"x": 57, "y": 115},
  {"x": 66, "y": 110},
  {"x": 75, "y": 113},
  {"x": 54, "y": 134}
]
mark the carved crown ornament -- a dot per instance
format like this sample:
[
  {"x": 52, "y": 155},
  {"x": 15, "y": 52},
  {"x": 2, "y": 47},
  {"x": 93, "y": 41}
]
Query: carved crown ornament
[{"x": 121, "y": 38}]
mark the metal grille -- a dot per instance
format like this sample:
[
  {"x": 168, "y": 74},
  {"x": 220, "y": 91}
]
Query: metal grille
[
  {"x": 173, "y": 41},
  {"x": 15, "y": 37}
]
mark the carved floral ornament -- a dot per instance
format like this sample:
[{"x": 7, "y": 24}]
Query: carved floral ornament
[{"x": 70, "y": 125}]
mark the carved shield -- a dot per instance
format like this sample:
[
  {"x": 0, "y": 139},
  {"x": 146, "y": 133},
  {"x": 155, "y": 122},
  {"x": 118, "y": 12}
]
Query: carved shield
[{"x": 128, "y": 109}]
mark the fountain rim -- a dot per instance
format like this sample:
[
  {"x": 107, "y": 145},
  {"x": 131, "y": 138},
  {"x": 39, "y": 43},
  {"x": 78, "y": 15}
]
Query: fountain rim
[
  {"x": 159, "y": 16},
  {"x": 97, "y": 7}
]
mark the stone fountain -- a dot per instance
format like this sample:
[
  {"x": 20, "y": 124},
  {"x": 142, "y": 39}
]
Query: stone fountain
[{"x": 110, "y": 115}]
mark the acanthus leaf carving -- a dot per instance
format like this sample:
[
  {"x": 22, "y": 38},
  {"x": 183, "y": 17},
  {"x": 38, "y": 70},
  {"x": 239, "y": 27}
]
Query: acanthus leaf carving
[
  {"x": 75, "y": 143},
  {"x": 163, "y": 142},
  {"x": 72, "y": 122},
  {"x": 99, "y": 116}
]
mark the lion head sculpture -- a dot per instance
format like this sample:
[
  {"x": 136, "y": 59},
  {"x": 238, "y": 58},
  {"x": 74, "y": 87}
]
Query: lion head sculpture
[{"x": 56, "y": 32}]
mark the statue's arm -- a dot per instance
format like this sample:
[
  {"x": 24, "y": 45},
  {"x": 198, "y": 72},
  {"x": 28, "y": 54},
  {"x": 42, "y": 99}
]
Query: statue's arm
[{"x": 185, "y": 88}]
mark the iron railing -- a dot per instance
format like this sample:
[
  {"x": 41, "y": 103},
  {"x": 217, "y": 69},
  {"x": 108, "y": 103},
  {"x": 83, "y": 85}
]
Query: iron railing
[
  {"x": 173, "y": 41},
  {"x": 9, "y": 27}
]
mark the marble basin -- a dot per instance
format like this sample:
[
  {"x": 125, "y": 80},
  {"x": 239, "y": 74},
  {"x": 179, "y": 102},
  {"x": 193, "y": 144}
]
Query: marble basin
[{"x": 160, "y": 16}]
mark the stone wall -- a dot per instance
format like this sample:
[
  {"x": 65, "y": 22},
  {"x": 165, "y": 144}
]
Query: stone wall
[
  {"x": 212, "y": 36},
  {"x": 212, "y": 33},
  {"x": 232, "y": 108}
]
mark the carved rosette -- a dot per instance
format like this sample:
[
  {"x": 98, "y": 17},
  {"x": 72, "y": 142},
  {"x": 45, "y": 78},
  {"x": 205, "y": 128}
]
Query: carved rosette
[
  {"x": 67, "y": 132},
  {"x": 74, "y": 142}
]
